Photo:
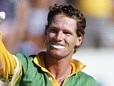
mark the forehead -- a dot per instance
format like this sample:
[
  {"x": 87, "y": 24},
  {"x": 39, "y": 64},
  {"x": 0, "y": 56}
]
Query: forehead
[{"x": 64, "y": 21}]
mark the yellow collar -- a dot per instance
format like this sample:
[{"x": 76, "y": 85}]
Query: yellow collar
[
  {"x": 76, "y": 65},
  {"x": 39, "y": 61}
]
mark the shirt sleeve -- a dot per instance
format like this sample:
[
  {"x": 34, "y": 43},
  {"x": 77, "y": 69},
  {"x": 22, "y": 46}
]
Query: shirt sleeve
[{"x": 7, "y": 63}]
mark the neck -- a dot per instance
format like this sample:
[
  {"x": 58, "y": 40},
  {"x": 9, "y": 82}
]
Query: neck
[{"x": 57, "y": 67}]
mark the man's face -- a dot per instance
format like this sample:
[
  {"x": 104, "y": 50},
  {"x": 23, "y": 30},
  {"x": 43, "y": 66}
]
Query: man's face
[{"x": 61, "y": 36}]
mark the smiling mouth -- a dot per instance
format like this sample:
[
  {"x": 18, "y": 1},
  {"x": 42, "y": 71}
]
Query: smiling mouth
[{"x": 58, "y": 46}]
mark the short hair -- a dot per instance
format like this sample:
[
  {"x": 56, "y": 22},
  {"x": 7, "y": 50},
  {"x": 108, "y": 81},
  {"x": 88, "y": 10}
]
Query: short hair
[{"x": 70, "y": 11}]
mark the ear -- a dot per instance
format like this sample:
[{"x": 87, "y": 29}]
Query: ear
[{"x": 79, "y": 41}]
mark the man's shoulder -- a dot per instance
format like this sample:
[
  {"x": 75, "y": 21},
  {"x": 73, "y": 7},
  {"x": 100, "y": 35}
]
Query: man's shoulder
[
  {"x": 84, "y": 75},
  {"x": 86, "y": 78},
  {"x": 82, "y": 79},
  {"x": 25, "y": 60}
]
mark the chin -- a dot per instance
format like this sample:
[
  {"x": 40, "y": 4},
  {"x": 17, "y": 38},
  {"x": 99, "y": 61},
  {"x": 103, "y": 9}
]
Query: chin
[{"x": 56, "y": 54}]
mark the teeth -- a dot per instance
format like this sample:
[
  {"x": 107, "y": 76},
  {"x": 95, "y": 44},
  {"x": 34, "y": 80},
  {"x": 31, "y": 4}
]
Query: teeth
[{"x": 58, "y": 46}]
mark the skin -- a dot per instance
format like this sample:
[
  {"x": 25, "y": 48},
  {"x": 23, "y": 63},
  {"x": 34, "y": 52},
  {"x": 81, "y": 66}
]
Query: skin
[{"x": 61, "y": 38}]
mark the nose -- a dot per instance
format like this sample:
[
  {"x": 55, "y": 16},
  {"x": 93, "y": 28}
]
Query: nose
[{"x": 59, "y": 36}]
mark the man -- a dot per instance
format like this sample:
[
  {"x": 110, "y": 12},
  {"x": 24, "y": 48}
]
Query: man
[{"x": 54, "y": 67}]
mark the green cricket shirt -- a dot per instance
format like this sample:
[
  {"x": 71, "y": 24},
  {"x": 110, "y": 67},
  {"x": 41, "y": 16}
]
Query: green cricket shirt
[{"x": 34, "y": 73}]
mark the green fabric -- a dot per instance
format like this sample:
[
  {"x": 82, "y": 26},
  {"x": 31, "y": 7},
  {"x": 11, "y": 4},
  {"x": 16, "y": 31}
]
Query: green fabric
[
  {"x": 80, "y": 79},
  {"x": 32, "y": 75}
]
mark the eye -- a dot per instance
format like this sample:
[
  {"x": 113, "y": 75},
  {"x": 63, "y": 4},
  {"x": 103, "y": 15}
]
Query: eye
[
  {"x": 52, "y": 30},
  {"x": 67, "y": 33}
]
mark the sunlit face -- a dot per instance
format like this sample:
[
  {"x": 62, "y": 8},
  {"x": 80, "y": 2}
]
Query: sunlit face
[{"x": 61, "y": 36}]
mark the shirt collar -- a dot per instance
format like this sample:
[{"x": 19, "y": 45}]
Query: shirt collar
[{"x": 76, "y": 64}]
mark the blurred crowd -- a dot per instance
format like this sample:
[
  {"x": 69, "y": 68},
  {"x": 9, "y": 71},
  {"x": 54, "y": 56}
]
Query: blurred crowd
[{"x": 23, "y": 28}]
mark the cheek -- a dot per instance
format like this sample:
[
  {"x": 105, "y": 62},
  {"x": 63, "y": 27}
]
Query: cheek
[
  {"x": 71, "y": 41},
  {"x": 49, "y": 37}
]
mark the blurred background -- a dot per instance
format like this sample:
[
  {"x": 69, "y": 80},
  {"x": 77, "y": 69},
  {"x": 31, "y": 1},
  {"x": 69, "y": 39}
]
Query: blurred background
[{"x": 23, "y": 31}]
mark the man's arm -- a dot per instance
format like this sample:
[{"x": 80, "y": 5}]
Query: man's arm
[{"x": 7, "y": 62}]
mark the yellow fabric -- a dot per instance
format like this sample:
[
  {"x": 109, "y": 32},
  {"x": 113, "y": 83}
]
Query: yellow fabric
[
  {"x": 8, "y": 62},
  {"x": 76, "y": 67},
  {"x": 98, "y": 8}
]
